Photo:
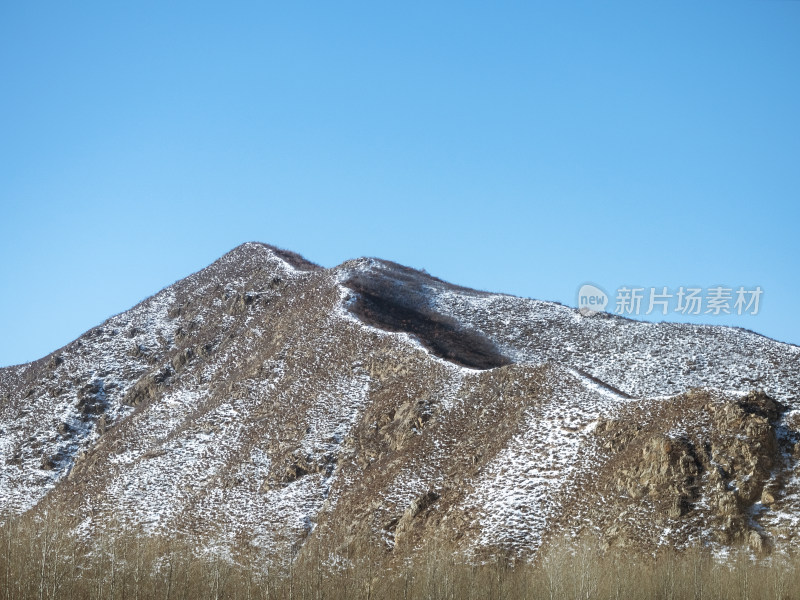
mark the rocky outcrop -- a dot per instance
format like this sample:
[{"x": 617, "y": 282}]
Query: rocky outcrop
[{"x": 704, "y": 465}]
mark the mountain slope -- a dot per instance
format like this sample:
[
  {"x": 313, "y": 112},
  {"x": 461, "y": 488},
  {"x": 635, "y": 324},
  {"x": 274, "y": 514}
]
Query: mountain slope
[{"x": 268, "y": 401}]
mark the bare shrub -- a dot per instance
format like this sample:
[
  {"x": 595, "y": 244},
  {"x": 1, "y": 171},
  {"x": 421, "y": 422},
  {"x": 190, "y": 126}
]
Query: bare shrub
[{"x": 41, "y": 558}]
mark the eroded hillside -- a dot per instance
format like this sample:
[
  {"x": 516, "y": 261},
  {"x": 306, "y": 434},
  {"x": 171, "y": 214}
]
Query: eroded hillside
[{"x": 268, "y": 401}]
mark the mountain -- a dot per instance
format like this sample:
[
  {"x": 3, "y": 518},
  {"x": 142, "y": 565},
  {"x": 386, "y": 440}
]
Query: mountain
[{"x": 268, "y": 401}]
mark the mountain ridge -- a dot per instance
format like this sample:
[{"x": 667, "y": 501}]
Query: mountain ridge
[{"x": 270, "y": 399}]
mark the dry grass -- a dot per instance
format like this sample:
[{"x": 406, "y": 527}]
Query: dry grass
[{"x": 38, "y": 559}]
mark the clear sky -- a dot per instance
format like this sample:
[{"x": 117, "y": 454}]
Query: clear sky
[{"x": 523, "y": 147}]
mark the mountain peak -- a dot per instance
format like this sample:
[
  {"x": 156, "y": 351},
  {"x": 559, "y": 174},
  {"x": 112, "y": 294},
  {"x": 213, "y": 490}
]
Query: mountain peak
[
  {"x": 271, "y": 402},
  {"x": 256, "y": 249}
]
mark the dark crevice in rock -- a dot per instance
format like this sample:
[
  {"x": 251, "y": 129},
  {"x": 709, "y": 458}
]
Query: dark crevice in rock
[{"x": 385, "y": 304}]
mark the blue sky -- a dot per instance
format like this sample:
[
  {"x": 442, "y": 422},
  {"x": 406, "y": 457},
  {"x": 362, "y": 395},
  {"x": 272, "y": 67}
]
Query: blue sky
[{"x": 518, "y": 147}]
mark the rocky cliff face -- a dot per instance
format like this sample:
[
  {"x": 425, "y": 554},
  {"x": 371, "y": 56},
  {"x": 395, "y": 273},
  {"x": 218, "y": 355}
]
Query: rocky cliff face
[{"x": 271, "y": 402}]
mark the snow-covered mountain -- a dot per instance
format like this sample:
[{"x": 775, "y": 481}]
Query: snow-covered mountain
[{"x": 268, "y": 401}]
